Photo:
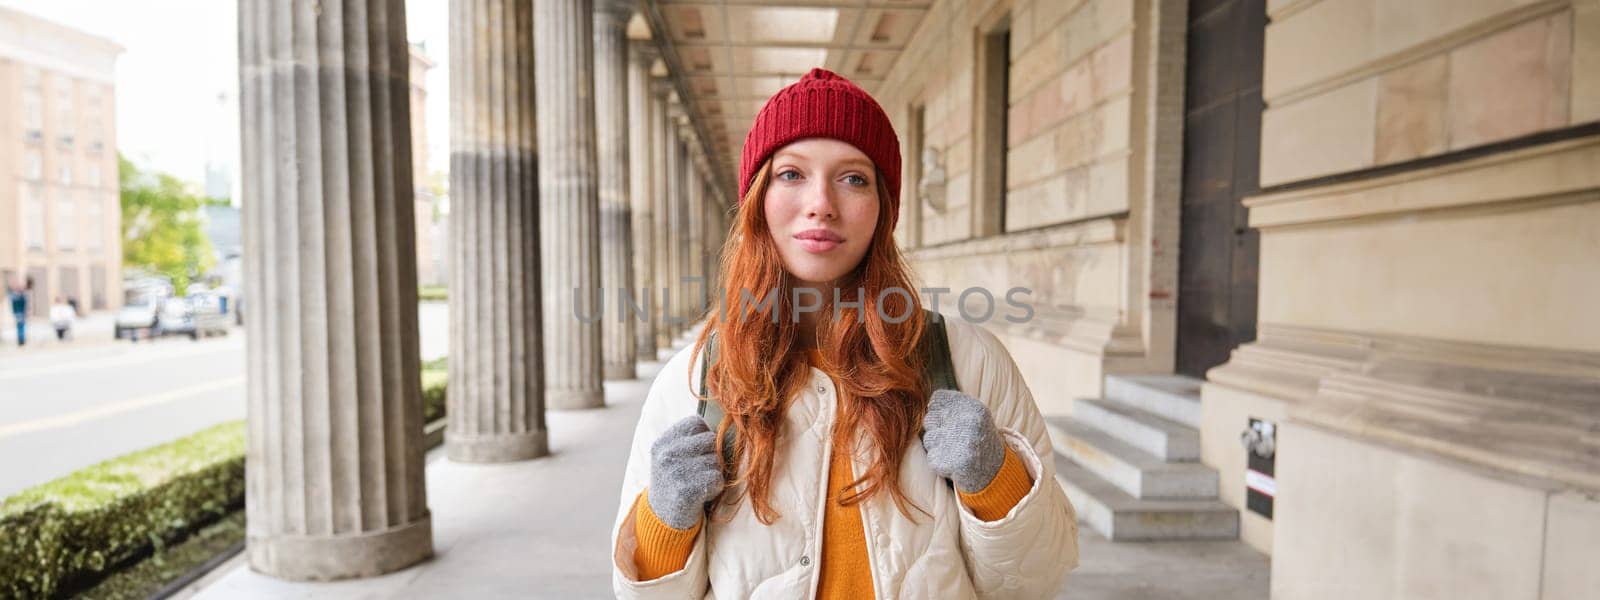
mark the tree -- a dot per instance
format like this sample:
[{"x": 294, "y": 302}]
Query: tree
[{"x": 161, "y": 225}]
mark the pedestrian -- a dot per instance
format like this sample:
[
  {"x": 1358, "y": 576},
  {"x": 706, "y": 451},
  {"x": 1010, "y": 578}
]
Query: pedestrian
[
  {"x": 61, "y": 317},
  {"x": 19, "y": 309},
  {"x": 867, "y": 448}
]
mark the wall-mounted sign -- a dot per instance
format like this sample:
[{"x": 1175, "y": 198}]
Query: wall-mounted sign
[{"x": 1260, "y": 441}]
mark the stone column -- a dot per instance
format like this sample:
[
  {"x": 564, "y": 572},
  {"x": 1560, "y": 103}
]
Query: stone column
[
  {"x": 725, "y": 215},
  {"x": 496, "y": 386},
  {"x": 697, "y": 239},
  {"x": 661, "y": 217},
  {"x": 673, "y": 308},
  {"x": 334, "y": 485},
  {"x": 681, "y": 228},
  {"x": 568, "y": 202},
  {"x": 712, "y": 246},
  {"x": 641, "y": 153},
  {"x": 719, "y": 231},
  {"x": 616, "y": 229}
]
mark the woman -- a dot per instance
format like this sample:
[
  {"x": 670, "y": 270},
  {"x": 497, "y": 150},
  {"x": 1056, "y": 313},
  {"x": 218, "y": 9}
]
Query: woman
[
  {"x": 847, "y": 476},
  {"x": 61, "y": 316}
]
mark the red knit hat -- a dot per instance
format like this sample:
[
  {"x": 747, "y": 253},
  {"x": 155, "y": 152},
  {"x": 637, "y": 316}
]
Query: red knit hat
[{"x": 824, "y": 105}]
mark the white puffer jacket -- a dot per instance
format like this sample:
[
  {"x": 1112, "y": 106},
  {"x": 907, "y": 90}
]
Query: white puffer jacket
[{"x": 953, "y": 554}]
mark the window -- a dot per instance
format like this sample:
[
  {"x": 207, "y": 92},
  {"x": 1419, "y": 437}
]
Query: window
[
  {"x": 94, "y": 108},
  {"x": 63, "y": 112},
  {"x": 93, "y": 178},
  {"x": 989, "y": 168},
  {"x": 94, "y": 220},
  {"x": 32, "y": 217},
  {"x": 33, "y": 166},
  {"x": 66, "y": 222},
  {"x": 64, "y": 170},
  {"x": 923, "y": 197},
  {"x": 96, "y": 141},
  {"x": 32, "y": 115}
]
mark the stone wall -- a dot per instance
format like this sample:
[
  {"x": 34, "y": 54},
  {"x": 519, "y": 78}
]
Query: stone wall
[
  {"x": 1404, "y": 80},
  {"x": 1092, "y": 149},
  {"x": 1428, "y": 275}
]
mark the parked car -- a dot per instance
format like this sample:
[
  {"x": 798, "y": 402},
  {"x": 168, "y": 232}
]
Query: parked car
[
  {"x": 208, "y": 315},
  {"x": 139, "y": 312},
  {"x": 195, "y": 316},
  {"x": 176, "y": 317}
]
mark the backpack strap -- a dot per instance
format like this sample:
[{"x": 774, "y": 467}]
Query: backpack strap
[
  {"x": 939, "y": 373},
  {"x": 712, "y": 411}
]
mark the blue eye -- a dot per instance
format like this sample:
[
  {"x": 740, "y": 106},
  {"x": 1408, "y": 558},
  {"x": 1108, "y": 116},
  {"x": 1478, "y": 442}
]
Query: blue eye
[
  {"x": 856, "y": 180},
  {"x": 784, "y": 175}
]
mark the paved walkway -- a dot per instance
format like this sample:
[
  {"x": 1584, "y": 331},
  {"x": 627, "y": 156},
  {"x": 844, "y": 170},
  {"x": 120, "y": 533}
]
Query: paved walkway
[
  {"x": 93, "y": 329},
  {"x": 540, "y": 529}
]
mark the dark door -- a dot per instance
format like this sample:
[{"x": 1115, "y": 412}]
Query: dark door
[
  {"x": 1218, "y": 252},
  {"x": 97, "y": 287},
  {"x": 39, "y": 294},
  {"x": 67, "y": 289}
]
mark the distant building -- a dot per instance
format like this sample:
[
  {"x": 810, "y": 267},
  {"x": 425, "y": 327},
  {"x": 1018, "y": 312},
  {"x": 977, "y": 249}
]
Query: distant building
[
  {"x": 60, "y": 215},
  {"x": 227, "y": 244},
  {"x": 430, "y": 266},
  {"x": 220, "y": 146}
]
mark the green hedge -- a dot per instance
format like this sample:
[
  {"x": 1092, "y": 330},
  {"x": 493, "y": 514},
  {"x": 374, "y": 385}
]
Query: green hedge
[
  {"x": 70, "y": 532},
  {"x": 172, "y": 563},
  {"x": 433, "y": 387},
  {"x": 433, "y": 293},
  {"x": 66, "y": 533}
]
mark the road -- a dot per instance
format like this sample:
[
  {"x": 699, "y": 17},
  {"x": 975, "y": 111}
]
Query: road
[
  {"x": 68, "y": 406},
  {"x": 71, "y": 408}
]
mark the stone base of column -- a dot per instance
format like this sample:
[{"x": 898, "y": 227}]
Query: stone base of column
[
  {"x": 327, "y": 558},
  {"x": 620, "y": 372},
  {"x": 574, "y": 399},
  {"x": 506, "y": 447}
]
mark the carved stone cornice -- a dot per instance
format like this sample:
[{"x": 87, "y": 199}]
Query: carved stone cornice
[{"x": 1525, "y": 411}]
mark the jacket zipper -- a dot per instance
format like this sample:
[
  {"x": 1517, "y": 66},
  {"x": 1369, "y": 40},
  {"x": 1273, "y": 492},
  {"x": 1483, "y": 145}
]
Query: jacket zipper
[
  {"x": 830, "y": 416},
  {"x": 827, "y": 412},
  {"x": 868, "y": 529}
]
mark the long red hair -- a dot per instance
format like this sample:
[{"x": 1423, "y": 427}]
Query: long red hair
[{"x": 759, "y": 365}]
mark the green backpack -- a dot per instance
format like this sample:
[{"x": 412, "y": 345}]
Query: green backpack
[{"x": 934, "y": 347}]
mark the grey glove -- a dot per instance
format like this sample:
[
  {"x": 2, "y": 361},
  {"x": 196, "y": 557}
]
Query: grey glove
[
  {"x": 962, "y": 442},
  {"x": 684, "y": 475}
]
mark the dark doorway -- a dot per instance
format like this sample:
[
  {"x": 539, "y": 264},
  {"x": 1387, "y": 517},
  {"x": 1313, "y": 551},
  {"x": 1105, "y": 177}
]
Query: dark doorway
[
  {"x": 68, "y": 288},
  {"x": 1218, "y": 254},
  {"x": 97, "y": 287},
  {"x": 39, "y": 295}
]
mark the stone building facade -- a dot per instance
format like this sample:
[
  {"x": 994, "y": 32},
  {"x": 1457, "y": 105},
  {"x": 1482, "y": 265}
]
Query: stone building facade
[
  {"x": 1357, "y": 235},
  {"x": 60, "y": 214},
  {"x": 1388, "y": 232},
  {"x": 430, "y": 269}
]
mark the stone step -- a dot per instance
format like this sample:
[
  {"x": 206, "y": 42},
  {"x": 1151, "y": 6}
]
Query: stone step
[
  {"x": 1120, "y": 517},
  {"x": 1138, "y": 473},
  {"x": 1165, "y": 438},
  {"x": 1173, "y": 397}
]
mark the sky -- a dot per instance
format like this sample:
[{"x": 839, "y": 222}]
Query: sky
[{"x": 179, "y": 56}]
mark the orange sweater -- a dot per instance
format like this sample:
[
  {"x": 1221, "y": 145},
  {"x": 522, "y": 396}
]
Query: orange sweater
[{"x": 844, "y": 570}]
